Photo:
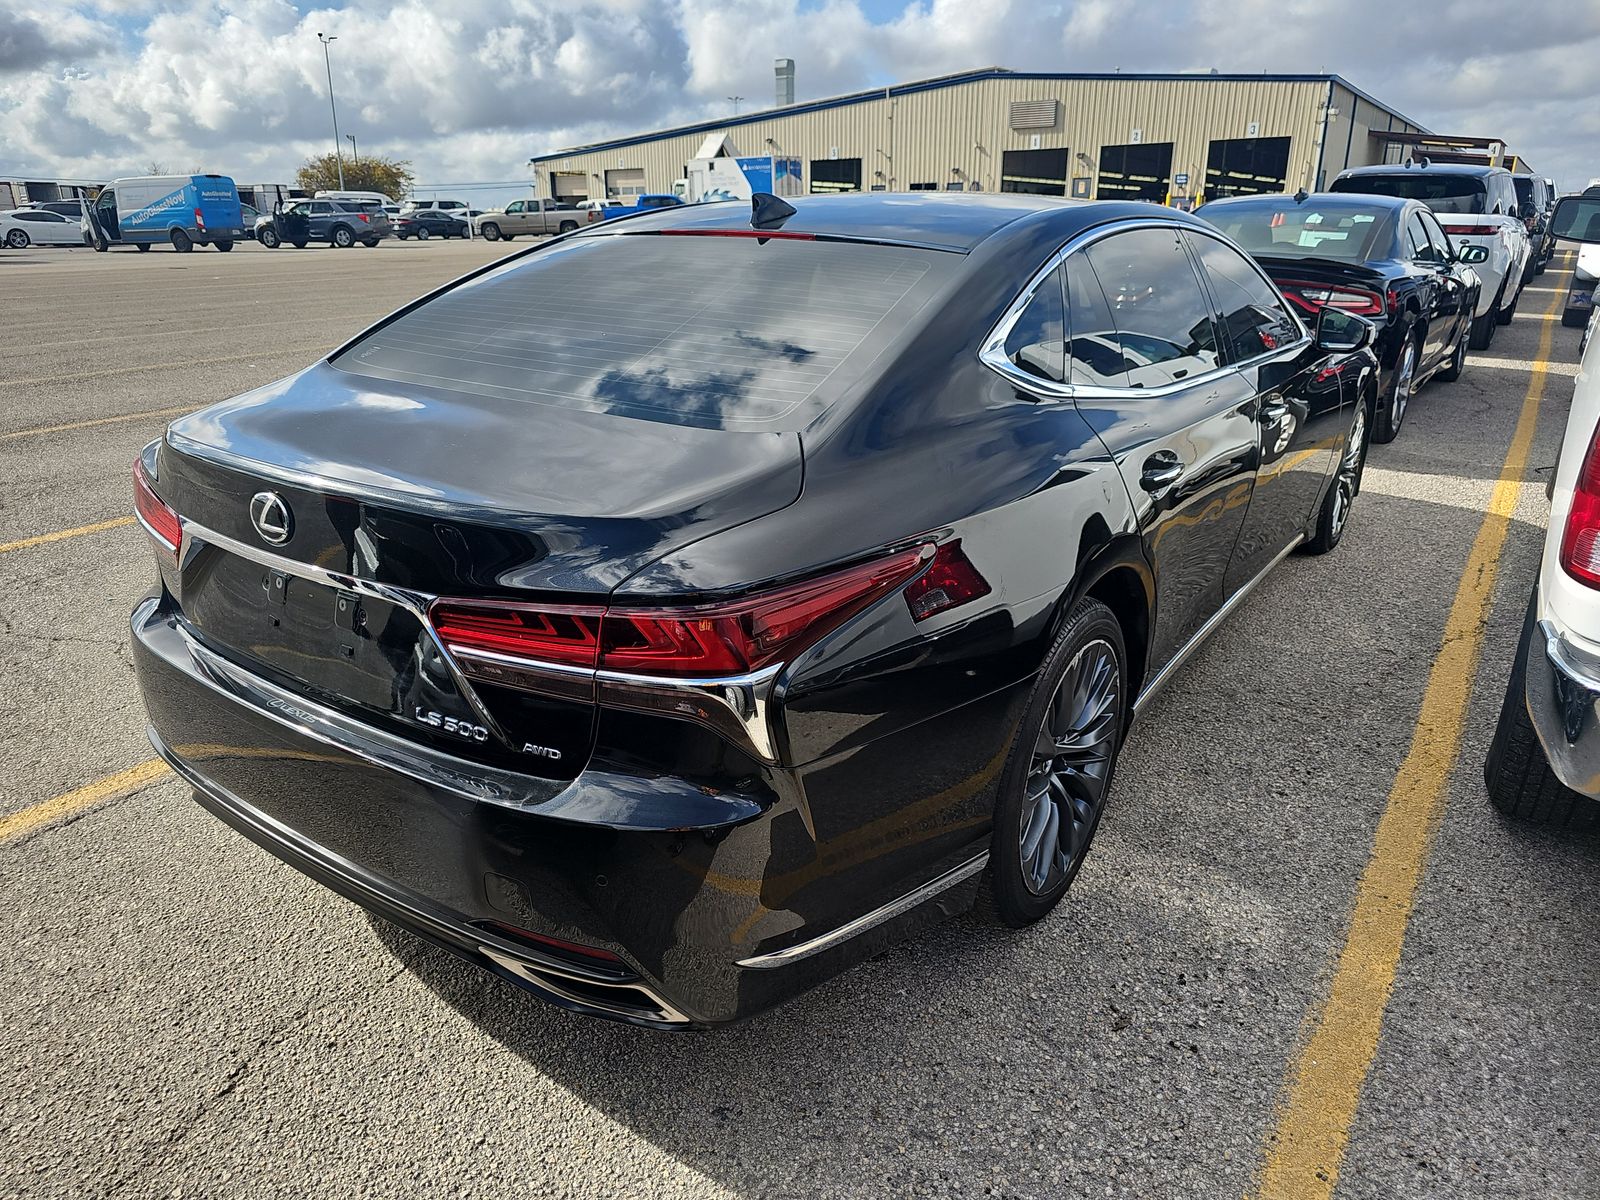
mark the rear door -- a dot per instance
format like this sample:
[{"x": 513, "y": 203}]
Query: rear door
[
  {"x": 1296, "y": 405},
  {"x": 1450, "y": 303},
  {"x": 1146, "y": 369}
]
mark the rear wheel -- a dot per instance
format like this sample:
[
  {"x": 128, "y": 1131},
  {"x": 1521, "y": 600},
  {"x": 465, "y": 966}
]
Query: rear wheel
[
  {"x": 18, "y": 239},
  {"x": 370, "y": 242},
  {"x": 1518, "y": 775},
  {"x": 343, "y": 237},
  {"x": 568, "y": 226},
  {"x": 223, "y": 245},
  {"x": 181, "y": 241},
  {"x": 422, "y": 233},
  {"x": 490, "y": 231},
  {"x": 1059, "y": 771},
  {"x": 268, "y": 237},
  {"x": 1403, "y": 386},
  {"x": 1341, "y": 495},
  {"x": 1483, "y": 327},
  {"x": 1510, "y": 310}
]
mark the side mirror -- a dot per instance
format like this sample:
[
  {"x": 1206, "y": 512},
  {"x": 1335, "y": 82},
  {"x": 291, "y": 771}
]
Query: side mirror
[
  {"x": 1339, "y": 332},
  {"x": 1472, "y": 255},
  {"x": 1577, "y": 219}
]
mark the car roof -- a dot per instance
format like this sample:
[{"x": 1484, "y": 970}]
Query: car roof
[
  {"x": 953, "y": 221},
  {"x": 1432, "y": 168},
  {"x": 1324, "y": 200}
]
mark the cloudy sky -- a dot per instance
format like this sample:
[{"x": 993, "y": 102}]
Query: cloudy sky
[{"x": 468, "y": 90}]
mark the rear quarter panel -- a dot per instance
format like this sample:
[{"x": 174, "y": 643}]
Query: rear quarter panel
[{"x": 1571, "y": 606}]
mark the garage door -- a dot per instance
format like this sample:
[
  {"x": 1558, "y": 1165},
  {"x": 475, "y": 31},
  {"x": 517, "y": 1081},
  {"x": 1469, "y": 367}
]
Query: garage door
[
  {"x": 569, "y": 185},
  {"x": 629, "y": 181}
]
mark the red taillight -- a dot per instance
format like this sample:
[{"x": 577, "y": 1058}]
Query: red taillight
[
  {"x": 158, "y": 518},
  {"x": 1580, "y": 540},
  {"x": 1311, "y": 296},
  {"x": 560, "y": 633},
  {"x": 364, "y": 218},
  {"x": 1472, "y": 230},
  {"x": 747, "y": 635},
  {"x": 199, "y": 221},
  {"x": 949, "y": 581}
]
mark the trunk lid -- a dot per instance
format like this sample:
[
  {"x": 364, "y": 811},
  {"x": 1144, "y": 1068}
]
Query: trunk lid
[{"x": 392, "y": 495}]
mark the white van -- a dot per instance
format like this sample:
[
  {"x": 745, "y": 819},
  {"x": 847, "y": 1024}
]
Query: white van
[{"x": 447, "y": 205}]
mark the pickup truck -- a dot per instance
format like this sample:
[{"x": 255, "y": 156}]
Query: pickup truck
[
  {"x": 530, "y": 216},
  {"x": 639, "y": 204}
]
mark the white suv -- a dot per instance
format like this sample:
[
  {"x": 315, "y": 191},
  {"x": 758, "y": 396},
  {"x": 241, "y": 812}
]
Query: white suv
[
  {"x": 1477, "y": 207},
  {"x": 1544, "y": 762}
]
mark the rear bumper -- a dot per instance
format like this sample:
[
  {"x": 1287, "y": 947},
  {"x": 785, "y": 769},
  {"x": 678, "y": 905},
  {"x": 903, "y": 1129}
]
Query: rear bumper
[
  {"x": 1563, "y": 697},
  {"x": 713, "y": 906}
]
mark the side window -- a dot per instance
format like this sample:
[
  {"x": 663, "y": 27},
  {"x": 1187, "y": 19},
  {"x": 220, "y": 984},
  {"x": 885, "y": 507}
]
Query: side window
[
  {"x": 1036, "y": 343},
  {"x": 1421, "y": 241},
  {"x": 1163, "y": 321},
  {"x": 1437, "y": 235},
  {"x": 514, "y": 207},
  {"x": 1094, "y": 355},
  {"x": 1254, "y": 320}
]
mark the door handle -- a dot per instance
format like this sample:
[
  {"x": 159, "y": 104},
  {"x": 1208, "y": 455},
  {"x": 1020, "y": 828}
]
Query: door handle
[
  {"x": 1272, "y": 410},
  {"x": 1161, "y": 470}
]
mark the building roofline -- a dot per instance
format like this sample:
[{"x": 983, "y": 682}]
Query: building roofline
[{"x": 937, "y": 82}]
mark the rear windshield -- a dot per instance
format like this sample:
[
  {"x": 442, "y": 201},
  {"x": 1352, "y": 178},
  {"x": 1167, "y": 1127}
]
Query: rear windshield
[
  {"x": 1442, "y": 193},
  {"x": 1278, "y": 226},
  {"x": 711, "y": 331},
  {"x": 1524, "y": 186}
]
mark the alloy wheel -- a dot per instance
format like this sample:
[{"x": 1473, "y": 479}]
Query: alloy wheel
[
  {"x": 1349, "y": 470},
  {"x": 1404, "y": 383},
  {"x": 1071, "y": 766}
]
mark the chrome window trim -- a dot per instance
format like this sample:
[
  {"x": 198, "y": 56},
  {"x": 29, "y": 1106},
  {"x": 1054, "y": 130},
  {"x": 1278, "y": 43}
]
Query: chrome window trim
[
  {"x": 993, "y": 351},
  {"x": 737, "y": 706}
]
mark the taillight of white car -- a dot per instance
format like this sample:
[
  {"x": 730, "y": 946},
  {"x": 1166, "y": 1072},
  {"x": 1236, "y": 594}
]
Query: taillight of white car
[{"x": 1580, "y": 540}]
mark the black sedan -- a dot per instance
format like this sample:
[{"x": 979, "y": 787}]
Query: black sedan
[
  {"x": 668, "y": 663},
  {"x": 423, "y": 223},
  {"x": 1384, "y": 258}
]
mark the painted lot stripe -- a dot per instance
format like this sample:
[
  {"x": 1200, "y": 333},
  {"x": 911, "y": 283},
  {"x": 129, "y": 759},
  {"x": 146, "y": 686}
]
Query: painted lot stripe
[
  {"x": 90, "y": 424},
  {"x": 1304, "y": 1153},
  {"x": 62, "y": 535},
  {"x": 70, "y": 804}
]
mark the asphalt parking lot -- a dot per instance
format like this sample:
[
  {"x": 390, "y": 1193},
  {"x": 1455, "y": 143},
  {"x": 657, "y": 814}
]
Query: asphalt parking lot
[{"x": 185, "y": 1015}]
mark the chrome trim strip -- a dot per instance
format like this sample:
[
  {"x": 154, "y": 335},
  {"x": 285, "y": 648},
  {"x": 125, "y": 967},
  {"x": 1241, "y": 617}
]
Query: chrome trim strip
[
  {"x": 1164, "y": 676},
  {"x": 992, "y": 353},
  {"x": 737, "y": 706},
  {"x": 153, "y": 532},
  {"x": 539, "y": 974},
  {"x": 895, "y": 908}
]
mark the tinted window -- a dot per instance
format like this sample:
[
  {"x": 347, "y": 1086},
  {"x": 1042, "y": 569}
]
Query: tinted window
[
  {"x": 1441, "y": 192},
  {"x": 1279, "y": 227},
  {"x": 696, "y": 331},
  {"x": 1094, "y": 353},
  {"x": 1163, "y": 321},
  {"x": 1254, "y": 321},
  {"x": 1419, "y": 243},
  {"x": 1438, "y": 237},
  {"x": 1037, "y": 342},
  {"x": 1526, "y": 196}
]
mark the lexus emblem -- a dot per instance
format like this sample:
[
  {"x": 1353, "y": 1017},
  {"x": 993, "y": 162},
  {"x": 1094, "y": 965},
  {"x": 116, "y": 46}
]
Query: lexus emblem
[{"x": 270, "y": 515}]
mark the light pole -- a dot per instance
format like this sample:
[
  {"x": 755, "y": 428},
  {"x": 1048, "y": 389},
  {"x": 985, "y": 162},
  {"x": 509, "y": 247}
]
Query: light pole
[
  {"x": 338, "y": 155},
  {"x": 734, "y": 100}
]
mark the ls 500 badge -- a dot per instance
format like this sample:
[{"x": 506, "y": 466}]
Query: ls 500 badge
[{"x": 465, "y": 729}]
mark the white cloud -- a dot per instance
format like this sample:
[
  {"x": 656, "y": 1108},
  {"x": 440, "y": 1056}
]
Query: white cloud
[{"x": 470, "y": 90}]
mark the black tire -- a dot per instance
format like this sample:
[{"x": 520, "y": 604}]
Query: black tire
[
  {"x": 490, "y": 231},
  {"x": 1333, "y": 516},
  {"x": 223, "y": 245},
  {"x": 422, "y": 233},
  {"x": 18, "y": 239},
  {"x": 1517, "y": 773},
  {"x": 181, "y": 241},
  {"x": 1541, "y": 264},
  {"x": 144, "y": 247},
  {"x": 567, "y": 227},
  {"x": 1483, "y": 327},
  {"x": 1452, "y": 370},
  {"x": 268, "y": 237},
  {"x": 1006, "y": 894},
  {"x": 1510, "y": 310},
  {"x": 1391, "y": 412},
  {"x": 510, "y": 237},
  {"x": 342, "y": 237}
]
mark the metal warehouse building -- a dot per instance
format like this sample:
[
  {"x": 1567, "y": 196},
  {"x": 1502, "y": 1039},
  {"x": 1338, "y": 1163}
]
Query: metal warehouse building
[{"x": 1178, "y": 138}]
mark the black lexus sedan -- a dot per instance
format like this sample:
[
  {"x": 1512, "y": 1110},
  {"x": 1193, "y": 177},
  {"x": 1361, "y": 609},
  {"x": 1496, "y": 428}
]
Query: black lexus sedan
[
  {"x": 1385, "y": 258},
  {"x": 669, "y": 649}
]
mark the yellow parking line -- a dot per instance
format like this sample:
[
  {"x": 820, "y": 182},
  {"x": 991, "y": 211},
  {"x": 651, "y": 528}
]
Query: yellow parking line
[
  {"x": 70, "y": 804},
  {"x": 79, "y": 377},
  {"x": 1304, "y": 1152},
  {"x": 89, "y": 424},
  {"x": 62, "y": 535}
]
